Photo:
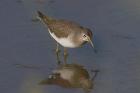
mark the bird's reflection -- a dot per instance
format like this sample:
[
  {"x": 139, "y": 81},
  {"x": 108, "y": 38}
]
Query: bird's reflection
[{"x": 70, "y": 76}]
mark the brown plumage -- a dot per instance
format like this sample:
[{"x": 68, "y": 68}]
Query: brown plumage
[{"x": 62, "y": 28}]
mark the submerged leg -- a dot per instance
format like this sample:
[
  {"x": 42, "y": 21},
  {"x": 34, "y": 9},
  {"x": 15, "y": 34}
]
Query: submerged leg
[
  {"x": 65, "y": 55},
  {"x": 57, "y": 53}
]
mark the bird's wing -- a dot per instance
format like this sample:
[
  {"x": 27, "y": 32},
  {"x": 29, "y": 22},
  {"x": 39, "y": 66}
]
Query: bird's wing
[{"x": 62, "y": 28}]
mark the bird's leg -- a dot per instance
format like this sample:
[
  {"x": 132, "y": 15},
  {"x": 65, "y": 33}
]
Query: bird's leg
[
  {"x": 65, "y": 55},
  {"x": 57, "y": 53}
]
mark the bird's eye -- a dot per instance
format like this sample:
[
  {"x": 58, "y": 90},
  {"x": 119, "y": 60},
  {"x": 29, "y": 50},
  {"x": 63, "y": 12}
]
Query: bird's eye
[{"x": 84, "y": 35}]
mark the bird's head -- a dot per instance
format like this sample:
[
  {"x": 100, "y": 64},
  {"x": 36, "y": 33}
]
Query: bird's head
[{"x": 87, "y": 36}]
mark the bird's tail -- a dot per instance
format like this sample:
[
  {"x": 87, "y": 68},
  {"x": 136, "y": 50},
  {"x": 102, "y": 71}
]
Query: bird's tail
[{"x": 43, "y": 17}]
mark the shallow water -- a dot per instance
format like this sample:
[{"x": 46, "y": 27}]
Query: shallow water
[{"x": 115, "y": 24}]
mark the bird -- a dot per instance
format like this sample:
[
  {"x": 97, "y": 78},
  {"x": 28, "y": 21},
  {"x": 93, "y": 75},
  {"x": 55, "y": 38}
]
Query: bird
[
  {"x": 70, "y": 76},
  {"x": 66, "y": 33}
]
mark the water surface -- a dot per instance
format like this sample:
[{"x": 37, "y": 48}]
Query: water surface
[{"x": 115, "y": 24}]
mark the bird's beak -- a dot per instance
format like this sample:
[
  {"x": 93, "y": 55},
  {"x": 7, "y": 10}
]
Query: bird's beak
[{"x": 89, "y": 40}]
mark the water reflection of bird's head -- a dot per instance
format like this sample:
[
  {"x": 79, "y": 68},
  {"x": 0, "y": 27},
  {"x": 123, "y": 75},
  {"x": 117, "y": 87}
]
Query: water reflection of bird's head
[{"x": 70, "y": 76}]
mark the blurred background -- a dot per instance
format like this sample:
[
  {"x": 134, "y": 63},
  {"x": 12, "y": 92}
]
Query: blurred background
[{"x": 27, "y": 50}]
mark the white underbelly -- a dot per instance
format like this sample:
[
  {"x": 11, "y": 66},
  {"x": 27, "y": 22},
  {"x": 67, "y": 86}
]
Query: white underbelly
[{"x": 65, "y": 42}]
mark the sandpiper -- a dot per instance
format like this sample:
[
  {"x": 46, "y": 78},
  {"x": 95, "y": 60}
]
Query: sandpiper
[
  {"x": 71, "y": 76},
  {"x": 66, "y": 33}
]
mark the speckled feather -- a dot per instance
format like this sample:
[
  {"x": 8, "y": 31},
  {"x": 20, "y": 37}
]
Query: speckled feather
[{"x": 62, "y": 28}]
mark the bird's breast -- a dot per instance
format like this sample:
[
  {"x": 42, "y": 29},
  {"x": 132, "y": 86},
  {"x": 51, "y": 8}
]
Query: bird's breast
[{"x": 64, "y": 41}]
